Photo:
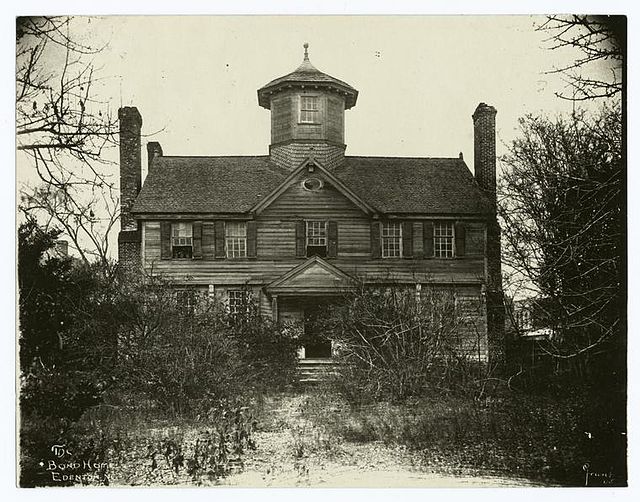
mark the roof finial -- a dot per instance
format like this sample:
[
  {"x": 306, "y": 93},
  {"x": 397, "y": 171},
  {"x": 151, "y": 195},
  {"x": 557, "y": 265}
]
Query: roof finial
[{"x": 306, "y": 52}]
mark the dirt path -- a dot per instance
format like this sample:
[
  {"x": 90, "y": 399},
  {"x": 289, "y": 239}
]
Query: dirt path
[{"x": 295, "y": 452}]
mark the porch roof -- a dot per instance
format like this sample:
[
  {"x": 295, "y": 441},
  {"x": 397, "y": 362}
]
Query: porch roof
[{"x": 314, "y": 276}]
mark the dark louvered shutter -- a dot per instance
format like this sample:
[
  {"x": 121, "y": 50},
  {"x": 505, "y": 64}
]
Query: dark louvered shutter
[
  {"x": 300, "y": 239},
  {"x": 460, "y": 239},
  {"x": 219, "y": 236},
  {"x": 407, "y": 239},
  {"x": 165, "y": 240},
  {"x": 332, "y": 233},
  {"x": 375, "y": 239},
  {"x": 252, "y": 239},
  {"x": 197, "y": 240},
  {"x": 427, "y": 230},
  {"x": 208, "y": 240}
]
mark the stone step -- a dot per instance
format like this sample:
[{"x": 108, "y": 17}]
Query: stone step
[{"x": 315, "y": 370}]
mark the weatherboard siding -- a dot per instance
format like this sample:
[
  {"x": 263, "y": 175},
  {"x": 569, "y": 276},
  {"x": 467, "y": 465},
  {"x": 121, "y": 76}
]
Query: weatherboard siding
[
  {"x": 276, "y": 253},
  {"x": 327, "y": 203},
  {"x": 242, "y": 271}
]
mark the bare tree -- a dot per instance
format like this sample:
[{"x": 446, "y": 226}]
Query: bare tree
[
  {"x": 562, "y": 204},
  {"x": 601, "y": 40},
  {"x": 87, "y": 230},
  {"x": 63, "y": 129}
]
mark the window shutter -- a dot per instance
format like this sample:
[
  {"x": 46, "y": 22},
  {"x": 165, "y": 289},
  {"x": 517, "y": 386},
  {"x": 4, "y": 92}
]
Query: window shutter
[
  {"x": 300, "y": 239},
  {"x": 332, "y": 234},
  {"x": 165, "y": 240},
  {"x": 197, "y": 240},
  {"x": 428, "y": 238},
  {"x": 219, "y": 236},
  {"x": 460, "y": 238},
  {"x": 407, "y": 239},
  {"x": 252, "y": 239},
  {"x": 375, "y": 239},
  {"x": 208, "y": 240}
]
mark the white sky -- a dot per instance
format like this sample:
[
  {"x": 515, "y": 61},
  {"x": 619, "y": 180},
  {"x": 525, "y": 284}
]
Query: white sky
[
  {"x": 194, "y": 79},
  {"x": 420, "y": 78}
]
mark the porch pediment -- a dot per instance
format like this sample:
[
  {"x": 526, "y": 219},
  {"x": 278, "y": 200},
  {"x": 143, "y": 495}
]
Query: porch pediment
[{"x": 314, "y": 276}]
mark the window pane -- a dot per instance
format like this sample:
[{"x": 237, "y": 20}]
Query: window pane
[
  {"x": 236, "y": 239},
  {"x": 443, "y": 239},
  {"x": 316, "y": 233},
  {"x": 236, "y": 229},
  {"x": 238, "y": 301},
  {"x": 391, "y": 240},
  {"x": 181, "y": 240},
  {"x": 308, "y": 109},
  {"x": 181, "y": 229}
]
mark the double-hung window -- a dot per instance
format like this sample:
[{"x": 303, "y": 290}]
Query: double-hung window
[
  {"x": 236, "y": 239},
  {"x": 238, "y": 302},
  {"x": 316, "y": 238},
  {"x": 443, "y": 239},
  {"x": 391, "y": 237},
  {"x": 181, "y": 240},
  {"x": 309, "y": 109}
]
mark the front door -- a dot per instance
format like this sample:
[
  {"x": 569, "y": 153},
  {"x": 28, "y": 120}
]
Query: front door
[{"x": 316, "y": 342}]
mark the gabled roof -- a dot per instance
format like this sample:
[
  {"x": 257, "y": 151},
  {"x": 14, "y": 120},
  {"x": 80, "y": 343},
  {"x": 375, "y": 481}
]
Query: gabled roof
[
  {"x": 315, "y": 275},
  {"x": 231, "y": 185},
  {"x": 306, "y": 73},
  {"x": 414, "y": 185},
  {"x": 293, "y": 177},
  {"x": 207, "y": 184}
]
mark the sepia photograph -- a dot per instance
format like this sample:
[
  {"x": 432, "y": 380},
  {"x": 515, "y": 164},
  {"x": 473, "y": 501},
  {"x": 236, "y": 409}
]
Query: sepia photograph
[{"x": 304, "y": 251}]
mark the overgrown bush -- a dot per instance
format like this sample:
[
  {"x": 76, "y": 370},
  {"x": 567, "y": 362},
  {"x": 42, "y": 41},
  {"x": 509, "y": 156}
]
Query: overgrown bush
[
  {"x": 187, "y": 357},
  {"x": 394, "y": 345},
  {"x": 267, "y": 349}
]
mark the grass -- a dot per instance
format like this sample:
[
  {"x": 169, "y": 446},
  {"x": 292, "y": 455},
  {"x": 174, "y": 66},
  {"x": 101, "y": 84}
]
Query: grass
[{"x": 546, "y": 439}]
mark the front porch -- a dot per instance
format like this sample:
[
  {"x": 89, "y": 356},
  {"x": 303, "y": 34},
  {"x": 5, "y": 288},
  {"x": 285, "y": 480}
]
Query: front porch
[{"x": 302, "y": 297}]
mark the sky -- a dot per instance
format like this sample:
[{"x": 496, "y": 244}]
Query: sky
[{"x": 194, "y": 79}]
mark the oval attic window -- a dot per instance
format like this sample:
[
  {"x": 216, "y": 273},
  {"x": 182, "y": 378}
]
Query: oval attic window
[{"x": 312, "y": 184}]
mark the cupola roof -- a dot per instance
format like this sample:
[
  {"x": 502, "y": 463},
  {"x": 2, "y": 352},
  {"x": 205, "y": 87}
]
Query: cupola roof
[{"x": 307, "y": 75}]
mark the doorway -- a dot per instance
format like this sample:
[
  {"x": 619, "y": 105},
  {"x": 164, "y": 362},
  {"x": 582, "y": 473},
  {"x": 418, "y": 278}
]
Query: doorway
[{"x": 317, "y": 343}]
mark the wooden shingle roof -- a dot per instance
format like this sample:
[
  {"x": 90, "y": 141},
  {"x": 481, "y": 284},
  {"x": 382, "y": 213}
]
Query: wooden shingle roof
[
  {"x": 231, "y": 185},
  {"x": 207, "y": 184},
  {"x": 414, "y": 185},
  {"x": 307, "y": 74}
]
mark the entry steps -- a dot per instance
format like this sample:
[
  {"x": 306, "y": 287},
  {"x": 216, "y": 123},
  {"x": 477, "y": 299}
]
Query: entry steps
[{"x": 315, "y": 369}]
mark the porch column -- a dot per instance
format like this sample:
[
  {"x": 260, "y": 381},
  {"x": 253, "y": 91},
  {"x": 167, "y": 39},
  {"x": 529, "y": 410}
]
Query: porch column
[{"x": 274, "y": 308}]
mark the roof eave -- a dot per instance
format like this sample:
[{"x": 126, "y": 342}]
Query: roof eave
[{"x": 265, "y": 93}]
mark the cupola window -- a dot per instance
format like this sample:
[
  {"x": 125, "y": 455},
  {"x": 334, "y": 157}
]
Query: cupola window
[{"x": 309, "y": 109}]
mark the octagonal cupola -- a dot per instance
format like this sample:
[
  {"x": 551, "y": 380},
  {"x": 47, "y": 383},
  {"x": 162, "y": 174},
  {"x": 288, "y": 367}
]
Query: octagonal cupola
[{"x": 307, "y": 115}]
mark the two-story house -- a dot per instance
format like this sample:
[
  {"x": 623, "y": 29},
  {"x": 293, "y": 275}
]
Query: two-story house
[{"x": 294, "y": 228}]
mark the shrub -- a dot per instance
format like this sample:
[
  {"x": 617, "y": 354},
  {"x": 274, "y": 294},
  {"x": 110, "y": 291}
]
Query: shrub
[
  {"x": 394, "y": 345},
  {"x": 267, "y": 350},
  {"x": 188, "y": 357}
]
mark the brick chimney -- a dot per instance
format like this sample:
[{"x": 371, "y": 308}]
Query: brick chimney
[
  {"x": 153, "y": 150},
  {"x": 484, "y": 149},
  {"x": 484, "y": 163},
  {"x": 130, "y": 183},
  {"x": 130, "y": 164}
]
